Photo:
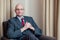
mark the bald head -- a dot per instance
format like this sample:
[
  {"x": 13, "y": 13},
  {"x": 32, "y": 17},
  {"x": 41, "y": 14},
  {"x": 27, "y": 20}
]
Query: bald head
[
  {"x": 19, "y": 10},
  {"x": 19, "y": 6}
]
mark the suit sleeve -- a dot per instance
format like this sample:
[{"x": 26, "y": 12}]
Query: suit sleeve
[
  {"x": 37, "y": 31},
  {"x": 11, "y": 33}
]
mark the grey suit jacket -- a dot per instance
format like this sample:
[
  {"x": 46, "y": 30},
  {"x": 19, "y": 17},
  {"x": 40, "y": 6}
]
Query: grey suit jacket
[{"x": 14, "y": 26}]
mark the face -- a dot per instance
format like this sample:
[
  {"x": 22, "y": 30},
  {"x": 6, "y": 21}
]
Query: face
[{"x": 19, "y": 10}]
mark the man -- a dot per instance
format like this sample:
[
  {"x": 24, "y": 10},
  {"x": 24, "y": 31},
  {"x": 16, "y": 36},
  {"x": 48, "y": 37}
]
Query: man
[{"x": 23, "y": 27}]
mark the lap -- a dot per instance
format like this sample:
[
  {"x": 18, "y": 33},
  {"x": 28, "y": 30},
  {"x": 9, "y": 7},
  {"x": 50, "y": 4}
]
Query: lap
[
  {"x": 33, "y": 37},
  {"x": 30, "y": 37}
]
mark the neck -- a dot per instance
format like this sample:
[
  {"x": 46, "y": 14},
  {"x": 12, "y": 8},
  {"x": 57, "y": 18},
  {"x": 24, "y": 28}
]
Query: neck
[{"x": 19, "y": 16}]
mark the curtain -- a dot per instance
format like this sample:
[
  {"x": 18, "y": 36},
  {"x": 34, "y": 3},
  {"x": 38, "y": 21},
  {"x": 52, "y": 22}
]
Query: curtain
[
  {"x": 58, "y": 34},
  {"x": 52, "y": 18},
  {"x": 4, "y": 13},
  {"x": 48, "y": 17}
]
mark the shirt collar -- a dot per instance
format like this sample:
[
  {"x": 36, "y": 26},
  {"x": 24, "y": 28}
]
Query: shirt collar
[{"x": 20, "y": 17}]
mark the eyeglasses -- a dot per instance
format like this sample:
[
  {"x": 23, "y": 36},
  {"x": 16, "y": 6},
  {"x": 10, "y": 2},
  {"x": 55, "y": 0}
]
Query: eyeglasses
[{"x": 19, "y": 9}]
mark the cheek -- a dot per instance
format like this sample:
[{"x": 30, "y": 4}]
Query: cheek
[{"x": 16, "y": 11}]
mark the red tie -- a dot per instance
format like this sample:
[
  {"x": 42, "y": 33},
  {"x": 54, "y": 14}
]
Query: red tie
[{"x": 22, "y": 21}]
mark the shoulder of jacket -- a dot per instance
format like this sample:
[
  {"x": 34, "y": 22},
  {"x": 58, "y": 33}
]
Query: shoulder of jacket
[
  {"x": 12, "y": 19},
  {"x": 28, "y": 16}
]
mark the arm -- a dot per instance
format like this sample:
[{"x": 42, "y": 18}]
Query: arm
[
  {"x": 11, "y": 33},
  {"x": 37, "y": 31}
]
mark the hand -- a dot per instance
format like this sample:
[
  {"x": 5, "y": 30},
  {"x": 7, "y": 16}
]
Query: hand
[
  {"x": 27, "y": 25},
  {"x": 30, "y": 26}
]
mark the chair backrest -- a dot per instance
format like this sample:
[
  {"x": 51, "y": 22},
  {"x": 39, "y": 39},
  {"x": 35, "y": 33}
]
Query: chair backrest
[{"x": 5, "y": 27}]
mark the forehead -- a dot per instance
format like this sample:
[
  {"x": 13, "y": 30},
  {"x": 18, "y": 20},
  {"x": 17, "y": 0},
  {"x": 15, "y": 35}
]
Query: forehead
[{"x": 19, "y": 6}]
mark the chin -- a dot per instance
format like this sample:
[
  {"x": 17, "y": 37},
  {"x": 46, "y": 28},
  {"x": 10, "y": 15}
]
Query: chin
[{"x": 19, "y": 15}]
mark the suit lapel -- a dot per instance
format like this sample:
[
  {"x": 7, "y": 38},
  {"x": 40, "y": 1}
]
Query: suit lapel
[
  {"x": 18, "y": 21},
  {"x": 25, "y": 19}
]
